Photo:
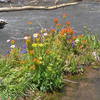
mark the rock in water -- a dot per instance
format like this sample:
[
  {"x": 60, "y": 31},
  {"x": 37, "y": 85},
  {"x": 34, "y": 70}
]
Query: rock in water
[
  {"x": 2, "y": 23},
  {"x": 5, "y": 1}
]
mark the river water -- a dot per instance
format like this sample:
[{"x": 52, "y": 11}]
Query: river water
[{"x": 83, "y": 14}]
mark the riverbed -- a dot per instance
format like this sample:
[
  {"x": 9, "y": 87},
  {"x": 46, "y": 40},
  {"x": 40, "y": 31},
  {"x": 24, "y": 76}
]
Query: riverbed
[{"x": 87, "y": 87}]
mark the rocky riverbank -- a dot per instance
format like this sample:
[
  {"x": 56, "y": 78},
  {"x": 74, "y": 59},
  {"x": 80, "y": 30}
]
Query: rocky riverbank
[
  {"x": 92, "y": 0},
  {"x": 20, "y": 3}
]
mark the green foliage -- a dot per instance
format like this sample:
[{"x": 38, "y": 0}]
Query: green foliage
[{"x": 40, "y": 65}]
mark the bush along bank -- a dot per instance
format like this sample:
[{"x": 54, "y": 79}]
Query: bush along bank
[{"x": 44, "y": 58}]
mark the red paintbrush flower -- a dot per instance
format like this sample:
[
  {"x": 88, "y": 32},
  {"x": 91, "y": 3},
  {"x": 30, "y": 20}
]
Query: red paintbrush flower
[
  {"x": 56, "y": 20},
  {"x": 68, "y": 23}
]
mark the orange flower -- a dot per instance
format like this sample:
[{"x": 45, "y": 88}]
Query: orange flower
[
  {"x": 31, "y": 52},
  {"x": 74, "y": 37},
  {"x": 67, "y": 30},
  {"x": 81, "y": 47},
  {"x": 23, "y": 62},
  {"x": 63, "y": 31},
  {"x": 32, "y": 68},
  {"x": 84, "y": 41},
  {"x": 56, "y": 20},
  {"x": 37, "y": 61},
  {"x": 48, "y": 51},
  {"x": 58, "y": 24},
  {"x": 68, "y": 23},
  {"x": 70, "y": 30},
  {"x": 53, "y": 30},
  {"x": 29, "y": 23}
]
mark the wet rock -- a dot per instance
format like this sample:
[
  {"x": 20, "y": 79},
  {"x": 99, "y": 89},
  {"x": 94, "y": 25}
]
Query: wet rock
[
  {"x": 2, "y": 23},
  {"x": 5, "y": 1}
]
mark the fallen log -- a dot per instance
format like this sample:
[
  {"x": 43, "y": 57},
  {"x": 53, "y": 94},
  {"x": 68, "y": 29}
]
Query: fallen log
[
  {"x": 6, "y": 9},
  {"x": 62, "y": 5}
]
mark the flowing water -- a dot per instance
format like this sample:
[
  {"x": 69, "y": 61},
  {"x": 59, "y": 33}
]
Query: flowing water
[
  {"x": 83, "y": 14},
  {"x": 80, "y": 15}
]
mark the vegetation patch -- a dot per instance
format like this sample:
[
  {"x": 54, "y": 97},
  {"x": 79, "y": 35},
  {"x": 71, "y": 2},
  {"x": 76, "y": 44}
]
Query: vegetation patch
[{"x": 45, "y": 57}]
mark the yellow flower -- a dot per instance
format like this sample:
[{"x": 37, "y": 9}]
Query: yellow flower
[
  {"x": 37, "y": 45},
  {"x": 34, "y": 44},
  {"x": 40, "y": 45},
  {"x": 29, "y": 42},
  {"x": 12, "y": 41},
  {"x": 37, "y": 39}
]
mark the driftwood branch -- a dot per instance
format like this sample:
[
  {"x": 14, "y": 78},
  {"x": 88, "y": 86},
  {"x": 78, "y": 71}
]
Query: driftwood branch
[
  {"x": 36, "y": 7},
  {"x": 70, "y": 81}
]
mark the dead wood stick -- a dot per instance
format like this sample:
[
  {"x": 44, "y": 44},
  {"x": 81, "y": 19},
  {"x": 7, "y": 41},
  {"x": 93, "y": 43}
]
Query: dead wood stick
[{"x": 4, "y": 9}]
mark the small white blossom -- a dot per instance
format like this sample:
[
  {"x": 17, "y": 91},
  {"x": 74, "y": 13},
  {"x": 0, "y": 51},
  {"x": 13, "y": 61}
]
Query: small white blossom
[
  {"x": 45, "y": 34},
  {"x": 26, "y": 37},
  {"x": 96, "y": 55},
  {"x": 67, "y": 63},
  {"x": 12, "y": 46},
  {"x": 43, "y": 30},
  {"x": 35, "y": 35},
  {"x": 77, "y": 40},
  {"x": 8, "y": 41}
]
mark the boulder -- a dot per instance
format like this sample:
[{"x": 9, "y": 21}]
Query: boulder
[{"x": 2, "y": 23}]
